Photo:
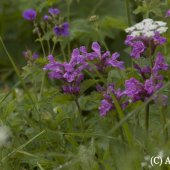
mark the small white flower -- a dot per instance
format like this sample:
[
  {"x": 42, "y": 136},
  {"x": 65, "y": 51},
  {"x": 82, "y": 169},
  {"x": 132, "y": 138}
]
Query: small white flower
[
  {"x": 136, "y": 33},
  {"x": 130, "y": 29},
  {"x": 139, "y": 26},
  {"x": 153, "y": 27},
  {"x": 149, "y": 34},
  {"x": 162, "y": 29},
  {"x": 161, "y": 24},
  {"x": 148, "y": 20}
]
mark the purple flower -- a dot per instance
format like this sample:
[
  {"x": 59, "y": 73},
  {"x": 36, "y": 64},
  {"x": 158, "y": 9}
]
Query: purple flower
[
  {"x": 107, "y": 104},
  {"x": 54, "y": 11},
  {"x": 114, "y": 62},
  {"x": 152, "y": 86},
  {"x": 68, "y": 89},
  {"x": 105, "y": 59},
  {"x": 160, "y": 64},
  {"x": 105, "y": 107},
  {"x": 69, "y": 73},
  {"x": 62, "y": 30},
  {"x": 96, "y": 48},
  {"x": 46, "y": 17},
  {"x": 35, "y": 56},
  {"x": 129, "y": 40},
  {"x": 168, "y": 13},
  {"x": 29, "y": 14},
  {"x": 138, "y": 48},
  {"x": 134, "y": 89},
  {"x": 158, "y": 39},
  {"x": 145, "y": 71}
]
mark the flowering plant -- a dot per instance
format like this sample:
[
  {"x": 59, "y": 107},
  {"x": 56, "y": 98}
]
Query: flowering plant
[{"x": 91, "y": 92}]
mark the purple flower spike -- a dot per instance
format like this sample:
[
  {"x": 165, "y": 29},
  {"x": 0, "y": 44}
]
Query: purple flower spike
[
  {"x": 114, "y": 62},
  {"x": 134, "y": 89},
  {"x": 168, "y": 13},
  {"x": 54, "y": 11},
  {"x": 137, "y": 49},
  {"x": 62, "y": 30},
  {"x": 29, "y": 14},
  {"x": 160, "y": 64}
]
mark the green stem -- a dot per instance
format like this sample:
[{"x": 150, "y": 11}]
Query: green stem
[
  {"x": 125, "y": 126},
  {"x": 63, "y": 53},
  {"x": 163, "y": 118},
  {"x": 52, "y": 51},
  {"x": 68, "y": 18},
  {"x": 121, "y": 130},
  {"x": 42, "y": 85},
  {"x": 80, "y": 114},
  {"x": 39, "y": 37},
  {"x": 128, "y": 12},
  {"x": 147, "y": 117}
]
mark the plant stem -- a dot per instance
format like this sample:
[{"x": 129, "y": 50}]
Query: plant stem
[
  {"x": 147, "y": 117},
  {"x": 39, "y": 36},
  {"x": 125, "y": 126},
  {"x": 80, "y": 113},
  {"x": 42, "y": 85},
  {"x": 63, "y": 53},
  {"x": 53, "y": 47},
  {"x": 68, "y": 18},
  {"x": 128, "y": 12}
]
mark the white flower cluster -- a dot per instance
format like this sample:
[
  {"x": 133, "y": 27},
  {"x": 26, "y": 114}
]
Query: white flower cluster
[{"x": 147, "y": 28}]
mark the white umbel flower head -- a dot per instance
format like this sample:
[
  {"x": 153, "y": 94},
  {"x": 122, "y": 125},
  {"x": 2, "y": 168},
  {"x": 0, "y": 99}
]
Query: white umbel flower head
[
  {"x": 4, "y": 135},
  {"x": 147, "y": 28}
]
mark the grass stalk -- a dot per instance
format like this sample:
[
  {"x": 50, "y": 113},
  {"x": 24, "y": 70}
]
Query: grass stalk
[
  {"x": 80, "y": 114},
  {"x": 128, "y": 13},
  {"x": 125, "y": 126}
]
